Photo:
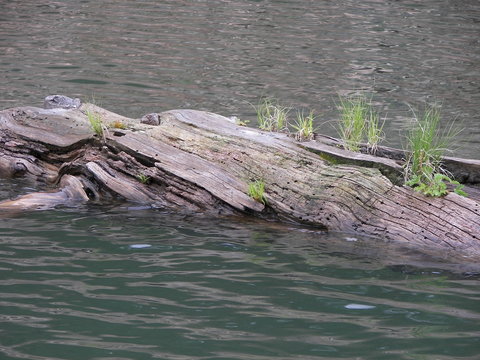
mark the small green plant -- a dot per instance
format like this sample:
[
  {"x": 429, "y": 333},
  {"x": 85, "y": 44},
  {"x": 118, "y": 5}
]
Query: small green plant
[
  {"x": 358, "y": 121},
  {"x": 271, "y": 116},
  {"x": 426, "y": 145},
  {"x": 436, "y": 185},
  {"x": 96, "y": 123},
  {"x": 144, "y": 179},
  {"x": 352, "y": 126},
  {"x": 374, "y": 131},
  {"x": 304, "y": 126},
  {"x": 256, "y": 190}
]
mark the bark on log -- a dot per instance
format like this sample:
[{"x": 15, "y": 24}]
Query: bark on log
[{"x": 199, "y": 161}]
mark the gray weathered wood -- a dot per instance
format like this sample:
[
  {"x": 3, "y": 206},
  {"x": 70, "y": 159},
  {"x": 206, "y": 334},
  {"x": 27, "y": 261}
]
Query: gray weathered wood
[{"x": 199, "y": 161}]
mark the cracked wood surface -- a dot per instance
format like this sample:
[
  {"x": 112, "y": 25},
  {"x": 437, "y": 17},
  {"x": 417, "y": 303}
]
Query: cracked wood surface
[{"x": 202, "y": 162}]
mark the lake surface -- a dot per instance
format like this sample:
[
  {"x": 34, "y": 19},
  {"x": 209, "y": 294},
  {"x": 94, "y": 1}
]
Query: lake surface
[
  {"x": 223, "y": 56},
  {"x": 121, "y": 282}
]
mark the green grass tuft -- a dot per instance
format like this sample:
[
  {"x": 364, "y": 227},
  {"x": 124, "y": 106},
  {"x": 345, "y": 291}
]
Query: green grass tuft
[
  {"x": 96, "y": 123},
  {"x": 144, "y": 179},
  {"x": 256, "y": 190},
  {"x": 427, "y": 143},
  {"x": 271, "y": 116},
  {"x": 304, "y": 126},
  {"x": 359, "y": 121},
  {"x": 374, "y": 130},
  {"x": 353, "y": 121}
]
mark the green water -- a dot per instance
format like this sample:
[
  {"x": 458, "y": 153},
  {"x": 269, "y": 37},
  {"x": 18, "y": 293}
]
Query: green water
[{"x": 126, "y": 283}]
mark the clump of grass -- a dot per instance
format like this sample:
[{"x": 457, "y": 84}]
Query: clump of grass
[
  {"x": 256, "y": 190},
  {"x": 353, "y": 121},
  {"x": 304, "y": 126},
  {"x": 271, "y": 116},
  {"x": 144, "y": 179},
  {"x": 96, "y": 123},
  {"x": 359, "y": 121},
  {"x": 374, "y": 130},
  {"x": 426, "y": 145}
]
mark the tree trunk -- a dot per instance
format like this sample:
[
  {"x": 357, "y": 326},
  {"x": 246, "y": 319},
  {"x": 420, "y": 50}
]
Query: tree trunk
[{"x": 202, "y": 162}]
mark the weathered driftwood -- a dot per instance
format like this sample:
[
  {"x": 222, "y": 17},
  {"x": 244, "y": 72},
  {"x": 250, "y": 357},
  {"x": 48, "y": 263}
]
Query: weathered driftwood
[{"x": 199, "y": 161}]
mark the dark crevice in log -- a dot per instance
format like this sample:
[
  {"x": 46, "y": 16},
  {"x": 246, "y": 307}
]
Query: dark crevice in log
[{"x": 117, "y": 148}]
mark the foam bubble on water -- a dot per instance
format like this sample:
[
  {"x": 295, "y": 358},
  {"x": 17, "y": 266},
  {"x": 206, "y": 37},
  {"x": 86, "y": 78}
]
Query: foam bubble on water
[
  {"x": 140, "y": 246},
  {"x": 359, "y": 307}
]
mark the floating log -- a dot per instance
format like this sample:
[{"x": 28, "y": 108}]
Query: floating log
[{"x": 196, "y": 161}]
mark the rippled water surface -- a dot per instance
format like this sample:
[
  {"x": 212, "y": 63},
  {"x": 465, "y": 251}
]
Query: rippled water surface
[
  {"x": 132, "y": 284},
  {"x": 135, "y": 57},
  {"x": 126, "y": 283}
]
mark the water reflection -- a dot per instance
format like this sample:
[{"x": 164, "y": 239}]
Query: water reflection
[{"x": 223, "y": 55}]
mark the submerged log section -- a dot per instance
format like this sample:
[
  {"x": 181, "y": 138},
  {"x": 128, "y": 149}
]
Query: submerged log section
[{"x": 188, "y": 160}]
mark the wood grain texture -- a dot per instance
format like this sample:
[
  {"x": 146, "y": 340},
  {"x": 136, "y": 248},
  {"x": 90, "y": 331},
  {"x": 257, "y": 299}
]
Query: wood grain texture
[{"x": 202, "y": 162}]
